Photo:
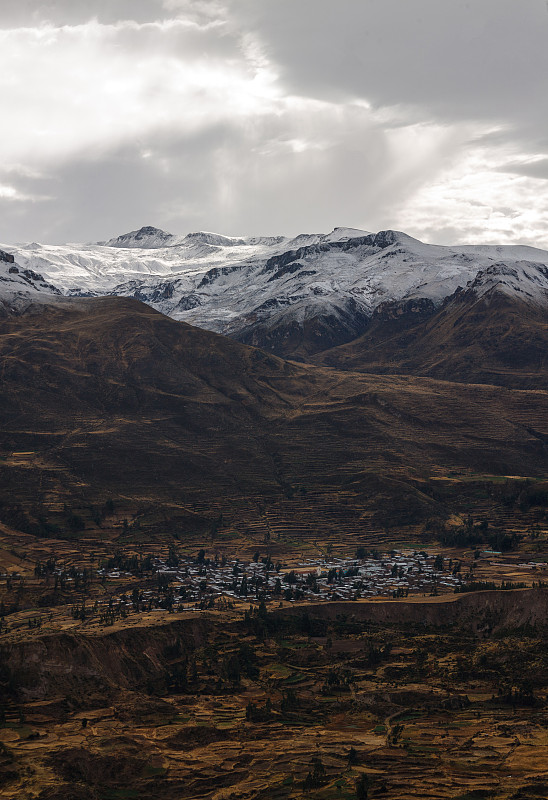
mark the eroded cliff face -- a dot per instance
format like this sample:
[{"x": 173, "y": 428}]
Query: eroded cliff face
[
  {"x": 85, "y": 665},
  {"x": 480, "y": 612},
  {"x": 100, "y": 663}
]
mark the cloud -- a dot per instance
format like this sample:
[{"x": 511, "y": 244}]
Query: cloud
[
  {"x": 456, "y": 60},
  {"x": 69, "y": 89},
  {"x": 252, "y": 116},
  {"x": 534, "y": 168},
  {"x": 481, "y": 203}
]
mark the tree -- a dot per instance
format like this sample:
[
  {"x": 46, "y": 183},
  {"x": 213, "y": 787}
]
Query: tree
[
  {"x": 352, "y": 756},
  {"x": 108, "y": 508},
  {"x": 248, "y": 661},
  {"x": 362, "y": 787},
  {"x": 173, "y": 558},
  {"x": 76, "y": 523},
  {"x": 231, "y": 670},
  {"x": 316, "y": 775}
]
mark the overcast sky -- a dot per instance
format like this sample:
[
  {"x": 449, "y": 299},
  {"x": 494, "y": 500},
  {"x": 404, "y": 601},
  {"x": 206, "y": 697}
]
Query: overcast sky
[{"x": 274, "y": 116}]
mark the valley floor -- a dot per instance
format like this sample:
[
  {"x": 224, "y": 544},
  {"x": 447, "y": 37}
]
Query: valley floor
[{"x": 266, "y": 705}]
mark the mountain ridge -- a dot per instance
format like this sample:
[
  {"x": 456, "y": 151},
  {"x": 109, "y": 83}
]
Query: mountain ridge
[
  {"x": 106, "y": 397},
  {"x": 485, "y": 333},
  {"x": 294, "y": 297}
]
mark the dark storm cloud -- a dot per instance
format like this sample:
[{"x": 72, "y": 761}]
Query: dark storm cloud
[{"x": 457, "y": 58}]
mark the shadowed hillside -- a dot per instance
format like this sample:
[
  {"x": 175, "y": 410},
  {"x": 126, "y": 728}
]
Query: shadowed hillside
[
  {"x": 108, "y": 398},
  {"x": 493, "y": 339}
]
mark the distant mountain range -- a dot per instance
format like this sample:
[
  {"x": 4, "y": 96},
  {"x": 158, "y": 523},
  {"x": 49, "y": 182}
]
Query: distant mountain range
[
  {"x": 352, "y": 299},
  {"x": 414, "y": 361}
]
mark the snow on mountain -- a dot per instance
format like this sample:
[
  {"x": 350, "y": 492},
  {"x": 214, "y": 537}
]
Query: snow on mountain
[
  {"x": 144, "y": 237},
  {"x": 19, "y": 286},
  {"x": 526, "y": 280},
  {"x": 149, "y": 237},
  {"x": 268, "y": 290},
  {"x": 342, "y": 234}
]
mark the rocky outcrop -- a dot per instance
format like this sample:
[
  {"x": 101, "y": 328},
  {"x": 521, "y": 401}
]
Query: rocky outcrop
[
  {"x": 6, "y": 257},
  {"x": 83, "y": 664}
]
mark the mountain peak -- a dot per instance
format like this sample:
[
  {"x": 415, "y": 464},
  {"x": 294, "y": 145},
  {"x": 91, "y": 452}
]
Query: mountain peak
[
  {"x": 340, "y": 234},
  {"x": 215, "y": 239},
  {"x": 389, "y": 237},
  {"x": 147, "y": 236}
]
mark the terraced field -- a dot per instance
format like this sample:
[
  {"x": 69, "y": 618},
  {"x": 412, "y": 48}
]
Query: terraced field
[{"x": 422, "y": 710}]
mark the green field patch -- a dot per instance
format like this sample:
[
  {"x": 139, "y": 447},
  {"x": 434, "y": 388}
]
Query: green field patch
[
  {"x": 301, "y": 722},
  {"x": 408, "y": 716},
  {"x": 296, "y": 677},
  {"x": 23, "y": 731},
  {"x": 150, "y": 772},
  {"x": 228, "y": 536},
  {"x": 422, "y": 748},
  {"x": 293, "y": 645},
  {"x": 280, "y": 670}
]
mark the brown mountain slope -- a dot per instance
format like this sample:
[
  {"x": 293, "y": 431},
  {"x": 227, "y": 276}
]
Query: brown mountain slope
[
  {"x": 107, "y": 398},
  {"x": 494, "y": 339}
]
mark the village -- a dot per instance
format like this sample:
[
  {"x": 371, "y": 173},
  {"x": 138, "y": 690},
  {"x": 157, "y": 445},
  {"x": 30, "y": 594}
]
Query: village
[
  {"x": 122, "y": 585},
  {"x": 201, "y": 583}
]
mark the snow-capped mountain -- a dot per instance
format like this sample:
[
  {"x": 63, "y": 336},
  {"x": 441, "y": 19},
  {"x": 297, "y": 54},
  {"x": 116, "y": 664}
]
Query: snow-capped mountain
[
  {"x": 19, "y": 286},
  {"x": 525, "y": 280},
  {"x": 290, "y": 295},
  {"x": 147, "y": 237}
]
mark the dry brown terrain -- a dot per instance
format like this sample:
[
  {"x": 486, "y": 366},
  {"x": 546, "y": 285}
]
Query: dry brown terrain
[
  {"x": 129, "y": 440},
  {"x": 109, "y": 400},
  {"x": 427, "y": 704},
  {"x": 494, "y": 339}
]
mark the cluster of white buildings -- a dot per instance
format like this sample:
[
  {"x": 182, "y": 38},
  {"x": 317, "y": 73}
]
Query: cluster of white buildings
[{"x": 203, "y": 583}]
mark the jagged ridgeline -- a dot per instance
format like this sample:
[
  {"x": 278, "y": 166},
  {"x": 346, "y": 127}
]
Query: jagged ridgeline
[{"x": 392, "y": 302}]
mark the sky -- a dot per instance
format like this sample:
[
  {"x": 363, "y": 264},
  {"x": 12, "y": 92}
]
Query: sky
[{"x": 252, "y": 117}]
